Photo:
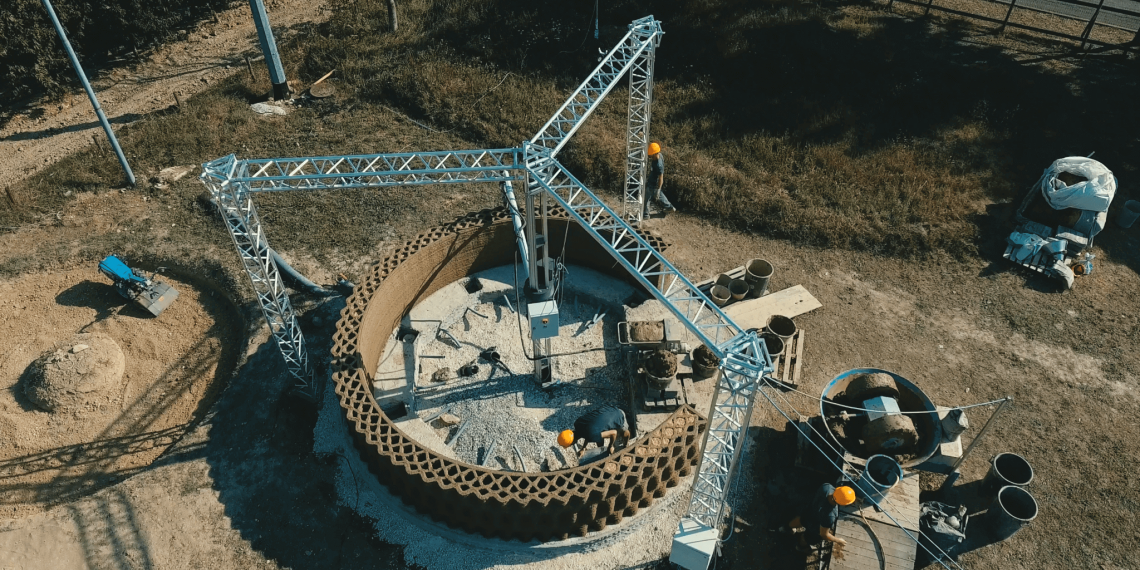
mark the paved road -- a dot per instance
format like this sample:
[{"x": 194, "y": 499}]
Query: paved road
[{"x": 1061, "y": 8}]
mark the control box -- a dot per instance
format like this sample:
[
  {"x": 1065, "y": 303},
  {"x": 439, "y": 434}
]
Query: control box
[{"x": 543, "y": 319}]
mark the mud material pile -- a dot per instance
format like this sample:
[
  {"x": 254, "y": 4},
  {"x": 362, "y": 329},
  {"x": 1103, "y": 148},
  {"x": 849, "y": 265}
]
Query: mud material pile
[
  {"x": 524, "y": 506},
  {"x": 85, "y": 371}
]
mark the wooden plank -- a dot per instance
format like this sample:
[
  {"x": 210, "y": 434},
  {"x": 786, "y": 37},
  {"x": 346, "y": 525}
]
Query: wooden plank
[
  {"x": 902, "y": 502},
  {"x": 887, "y": 548},
  {"x": 754, "y": 313},
  {"x": 799, "y": 358}
]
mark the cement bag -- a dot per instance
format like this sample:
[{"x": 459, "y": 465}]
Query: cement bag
[{"x": 1093, "y": 194}]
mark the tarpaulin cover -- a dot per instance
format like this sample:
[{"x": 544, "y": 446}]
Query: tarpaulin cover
[{"x": 1093, "y": 194}]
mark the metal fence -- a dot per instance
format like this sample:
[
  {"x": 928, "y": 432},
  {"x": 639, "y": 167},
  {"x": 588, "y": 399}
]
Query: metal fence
[{"x": 1119, "y": 14}]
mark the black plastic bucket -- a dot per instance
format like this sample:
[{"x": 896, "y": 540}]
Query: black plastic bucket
[
  {"x": 1007, "y": 469},
  {"x": 879, "y": 475},
  {"x": 1012, "y": 510}
]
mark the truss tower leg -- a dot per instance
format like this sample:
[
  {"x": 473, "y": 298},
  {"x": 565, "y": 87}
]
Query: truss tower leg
[
  {"x": 539, "y": 272},
  {"x": 637, "y": 135},
  {"x": 240, "y": 214}
]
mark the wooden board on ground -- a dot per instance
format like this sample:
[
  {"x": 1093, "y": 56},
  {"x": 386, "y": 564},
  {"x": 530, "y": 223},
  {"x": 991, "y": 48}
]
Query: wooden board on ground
[
  {"x": 788, "y": 364},
  {"x": 901, "y": 502},
  {"x": 872, "y": 545},
  {"x": 754, "y": 313}
]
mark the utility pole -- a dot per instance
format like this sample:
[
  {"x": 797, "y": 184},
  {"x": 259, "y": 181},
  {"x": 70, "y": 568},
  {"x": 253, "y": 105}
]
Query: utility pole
[
  {"x": 90, "y": 92},
  {"x": 269, "y": 48}
]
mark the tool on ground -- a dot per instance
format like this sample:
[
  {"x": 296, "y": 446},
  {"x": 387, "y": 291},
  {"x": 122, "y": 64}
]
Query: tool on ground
[
  {"x": 152, "y": 295},
  {"x": 508, "y": 301},
  {"x": 597, "y": 318},
  {"x": 458, "y": 432},
  {"x": 522, "y": 462},
  {"x": 470, "y": 310},
  {"x": 493, "y": 357},
  {"x": 446, "y": 336},
  {"x": 437, "y": 415},
  {"x": 487, "y": 455}
]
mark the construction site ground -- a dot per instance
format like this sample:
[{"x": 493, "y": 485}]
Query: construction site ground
[{"x": 242, "y": 488}]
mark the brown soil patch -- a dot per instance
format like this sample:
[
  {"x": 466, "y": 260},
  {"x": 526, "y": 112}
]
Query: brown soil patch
[
  {"x": 647, "y": 331},
  {"x": 662, "y": 363},
  {"x": 173, "y": 365}
]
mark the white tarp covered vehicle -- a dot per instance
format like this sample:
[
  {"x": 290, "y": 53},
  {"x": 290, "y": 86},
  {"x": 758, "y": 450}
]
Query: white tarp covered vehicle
[{"x": 1079, "y": 190}]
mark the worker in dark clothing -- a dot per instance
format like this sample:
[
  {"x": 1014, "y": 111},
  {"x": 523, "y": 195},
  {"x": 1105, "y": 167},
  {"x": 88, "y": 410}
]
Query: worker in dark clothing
[
  {"x": 596, "y": 426},
  {"x": 657, "y": 178},
  {"x": 822, "y": 513}
]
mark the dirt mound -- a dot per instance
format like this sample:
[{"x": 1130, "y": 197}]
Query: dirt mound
[
  {"x": 662, "y": 364},
  {"x": 84, "y": 372}
]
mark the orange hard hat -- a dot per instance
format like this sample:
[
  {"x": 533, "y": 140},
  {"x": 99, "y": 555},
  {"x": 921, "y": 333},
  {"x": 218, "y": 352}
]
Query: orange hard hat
[
  {"x": 566, "y": 438},
  {"x": 654, "y": 148},
  {"x": 844, "y": 496}
]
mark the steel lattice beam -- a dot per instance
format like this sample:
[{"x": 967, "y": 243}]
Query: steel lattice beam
[
  {"x": 377, "y": 170},
  {"x": 637, "y": 133},
  {"x": 236, "y": 205},
  {"x": 642, "y": 34}
]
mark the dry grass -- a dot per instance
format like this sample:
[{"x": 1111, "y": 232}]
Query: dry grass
[{"x": 834, "y": 124}]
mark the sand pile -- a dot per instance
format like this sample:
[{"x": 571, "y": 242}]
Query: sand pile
[{"x": 83, "y": 373}]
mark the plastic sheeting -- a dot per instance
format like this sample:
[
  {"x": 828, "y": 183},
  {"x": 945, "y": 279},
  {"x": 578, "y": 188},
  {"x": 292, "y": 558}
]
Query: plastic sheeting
[{"x": 1093, "y": 194}]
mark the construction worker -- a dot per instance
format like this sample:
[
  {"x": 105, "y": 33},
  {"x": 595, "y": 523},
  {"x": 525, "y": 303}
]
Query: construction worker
[
  {"x": 657, "y": 178},
  {"x": 822, "y": 514},
  {"x": 596, "y": 426}
]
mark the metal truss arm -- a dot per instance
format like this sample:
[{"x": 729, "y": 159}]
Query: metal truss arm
[
  {"x": 646, "y": 264},
  {"x": 553, "y": 135},
  {"x": 236, "y": 206},
  {"x": 377, "y": 170}
]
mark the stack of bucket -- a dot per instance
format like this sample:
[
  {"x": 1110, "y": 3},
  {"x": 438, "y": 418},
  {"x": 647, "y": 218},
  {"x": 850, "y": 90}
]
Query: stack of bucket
[{"x": 1013, "y": 507}]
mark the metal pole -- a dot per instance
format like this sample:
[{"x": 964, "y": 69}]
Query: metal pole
[
  {"x": 1092, "y": 22},
  {"x": 1012, "y": 3},
  {"x": 982, "y": 434},
  {"x": 90, "y": 92},
  {"x": 269, "y": 48}
]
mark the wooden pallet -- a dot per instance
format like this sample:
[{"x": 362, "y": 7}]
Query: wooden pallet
[{"x": 788, "y": 364}]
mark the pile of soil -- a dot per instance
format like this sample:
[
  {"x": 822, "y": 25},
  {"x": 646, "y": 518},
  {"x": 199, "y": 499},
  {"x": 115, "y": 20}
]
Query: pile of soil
[
  {"x": 703, "y": 356},
  {"x": 647, "y": 331},
  {"x": 84, "y": 373},
  {"x": 662, "y": 364}
]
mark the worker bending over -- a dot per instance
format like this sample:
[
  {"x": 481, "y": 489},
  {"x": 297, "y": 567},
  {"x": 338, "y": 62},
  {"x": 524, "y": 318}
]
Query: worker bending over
[
  {"x": 822, "y": 514},
  {"x": 657, "y": 179},
  {"x": 596, "y": 426}
]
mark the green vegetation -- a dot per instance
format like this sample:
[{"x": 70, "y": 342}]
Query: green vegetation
[{"x": 829, "y": 124}]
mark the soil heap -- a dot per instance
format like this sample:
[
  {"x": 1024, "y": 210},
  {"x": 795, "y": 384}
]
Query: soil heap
[{"x": 87, "y": 370}]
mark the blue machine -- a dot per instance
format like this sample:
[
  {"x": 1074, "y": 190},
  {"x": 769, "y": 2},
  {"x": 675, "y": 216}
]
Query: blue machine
[{"x": 152, "y": 295}]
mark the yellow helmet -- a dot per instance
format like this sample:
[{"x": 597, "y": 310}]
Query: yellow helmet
[
  {"x": 566, "y": 438},
  {"x": 654, "y": 148},
  {"x": 844, "y": 496}
]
